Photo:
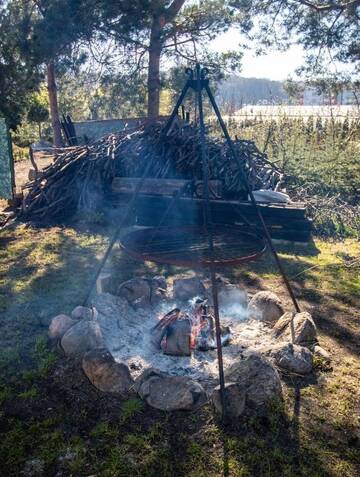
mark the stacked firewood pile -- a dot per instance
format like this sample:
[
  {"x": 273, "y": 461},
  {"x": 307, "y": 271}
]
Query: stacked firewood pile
[{"x": 81, "y": 176}]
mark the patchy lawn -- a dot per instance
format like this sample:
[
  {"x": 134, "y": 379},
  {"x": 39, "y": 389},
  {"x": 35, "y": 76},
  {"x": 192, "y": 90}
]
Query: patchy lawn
[{"x": 50, "y": 414}]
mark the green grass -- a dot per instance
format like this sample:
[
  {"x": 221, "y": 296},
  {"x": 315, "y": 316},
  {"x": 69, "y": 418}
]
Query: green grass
[{"x": 131, "y": 408}]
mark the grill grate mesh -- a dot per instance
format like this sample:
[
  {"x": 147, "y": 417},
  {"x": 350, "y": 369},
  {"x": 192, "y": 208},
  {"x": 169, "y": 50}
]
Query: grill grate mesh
[{"x": 189, "y": 246}]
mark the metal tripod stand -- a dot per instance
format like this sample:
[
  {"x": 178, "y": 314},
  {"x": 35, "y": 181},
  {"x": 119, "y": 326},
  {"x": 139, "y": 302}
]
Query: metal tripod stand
[{"x": 198, "y": 82}]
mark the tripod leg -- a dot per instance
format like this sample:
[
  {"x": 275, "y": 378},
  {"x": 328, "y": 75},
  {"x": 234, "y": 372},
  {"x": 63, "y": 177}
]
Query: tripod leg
[
  {"x": 176, "y": 108},
  {"x": 209, "y": 227},
  {"x": 253, "y": 201},
  {"x": 117, "y": 231}
]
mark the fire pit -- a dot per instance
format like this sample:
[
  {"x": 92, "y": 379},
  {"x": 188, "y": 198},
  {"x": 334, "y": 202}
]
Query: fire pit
[
  {"x": 177, "y": 335},
  {"x": 208, "y": 245},
  {"x": 156, "y": 337}
]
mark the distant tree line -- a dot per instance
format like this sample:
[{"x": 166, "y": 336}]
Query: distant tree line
[{"x": 235, "y": 92}]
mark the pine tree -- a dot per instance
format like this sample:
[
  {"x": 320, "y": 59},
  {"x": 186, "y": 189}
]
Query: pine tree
[
  {"x": 18, "y": 76},
  {"x": 177, "y": 29}
]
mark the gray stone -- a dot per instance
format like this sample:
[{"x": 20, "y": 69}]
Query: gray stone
[
  {"x": 106, "y": 374},
  {"x": 304, "y": 328},
  {"x": 294, "y": 358},
  {"x": 82, "y": 312},
  {"x": 59, "y": 325},
  {"x": 259, "y": 377},
  {"x": 170, "y": 393},
  {"x": 282, "y": 323},
  {"x": 265, "y": 306},
  {"x": 137, "y": 292},
  {"x": 82, "y": 337},
  {"x": 146, "y": 375},
  {"x": 235, "y": 395},
  {"x": 186, "y": 288},
  {"x": 322, "y": 353}
]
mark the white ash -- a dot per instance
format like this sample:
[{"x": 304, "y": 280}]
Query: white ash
[{"x": 127, "y": 336}]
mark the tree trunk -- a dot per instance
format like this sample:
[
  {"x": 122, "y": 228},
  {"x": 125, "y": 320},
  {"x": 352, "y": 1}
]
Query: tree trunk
[
  {"x": 160, "y": 19},
  {"x": 153, "y": 83},
  {"x": 53, "y": 101}
]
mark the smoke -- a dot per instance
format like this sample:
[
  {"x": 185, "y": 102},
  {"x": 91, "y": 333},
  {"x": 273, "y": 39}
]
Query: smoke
[{"x": 233, "y": 303}]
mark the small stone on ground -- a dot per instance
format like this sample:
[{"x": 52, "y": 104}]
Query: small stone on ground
[
  {"x": 294, "y": 358},
  {"x": 105, "y": 373},
  {"x": 170, "y": 393},
  {"x": 259, "y": 377},
  {"x": 82, "y": 312},
  {"x": 82, "y": 337},
  {"x": 265, "y": 306},
  {"x": 235, "y": 396},
  {"x": 59, "y": 325},
  {"x": 304, "y": 328}
]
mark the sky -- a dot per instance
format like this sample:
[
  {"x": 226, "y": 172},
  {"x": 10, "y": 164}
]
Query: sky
[{"x": 275, "y": 65}]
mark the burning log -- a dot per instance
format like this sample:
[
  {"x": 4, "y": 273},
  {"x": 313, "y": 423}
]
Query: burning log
[
  {"x": 159, "y": 329},
  {"x": 178, "y": 333},
  {"x": 203, "y": 336},
  {"x": 177, "y": 338},
  {"x": 80, "y": 177}
]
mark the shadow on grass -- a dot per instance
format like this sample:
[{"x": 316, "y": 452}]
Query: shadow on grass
[
  {"x": 48, "y": 271},
  {"x": 330, "y": 324},
  {"x": 269, "y": 445}
]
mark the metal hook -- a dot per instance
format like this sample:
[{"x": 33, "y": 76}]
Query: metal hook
[
  {"x": 189, "y": 72},
  {"x": 204, "y": 73}
]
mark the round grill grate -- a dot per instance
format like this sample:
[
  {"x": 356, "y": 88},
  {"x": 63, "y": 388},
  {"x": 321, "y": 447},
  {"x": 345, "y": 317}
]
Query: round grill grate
[{"x": 189, "y": 246}]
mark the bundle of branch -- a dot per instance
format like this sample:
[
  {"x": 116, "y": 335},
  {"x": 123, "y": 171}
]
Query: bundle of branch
[
  {"x": 81, "y": 176},
  {"x": 332, "y": 216}
]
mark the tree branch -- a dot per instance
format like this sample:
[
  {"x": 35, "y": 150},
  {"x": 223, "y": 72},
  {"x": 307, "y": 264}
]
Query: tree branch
[
  {"x": 173, "y": 9},
  {"x": 329, "y": 6}
]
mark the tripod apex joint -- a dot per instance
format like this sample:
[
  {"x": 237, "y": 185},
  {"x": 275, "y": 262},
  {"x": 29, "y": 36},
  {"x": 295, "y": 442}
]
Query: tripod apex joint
[{"x": 197, "y": 77}]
